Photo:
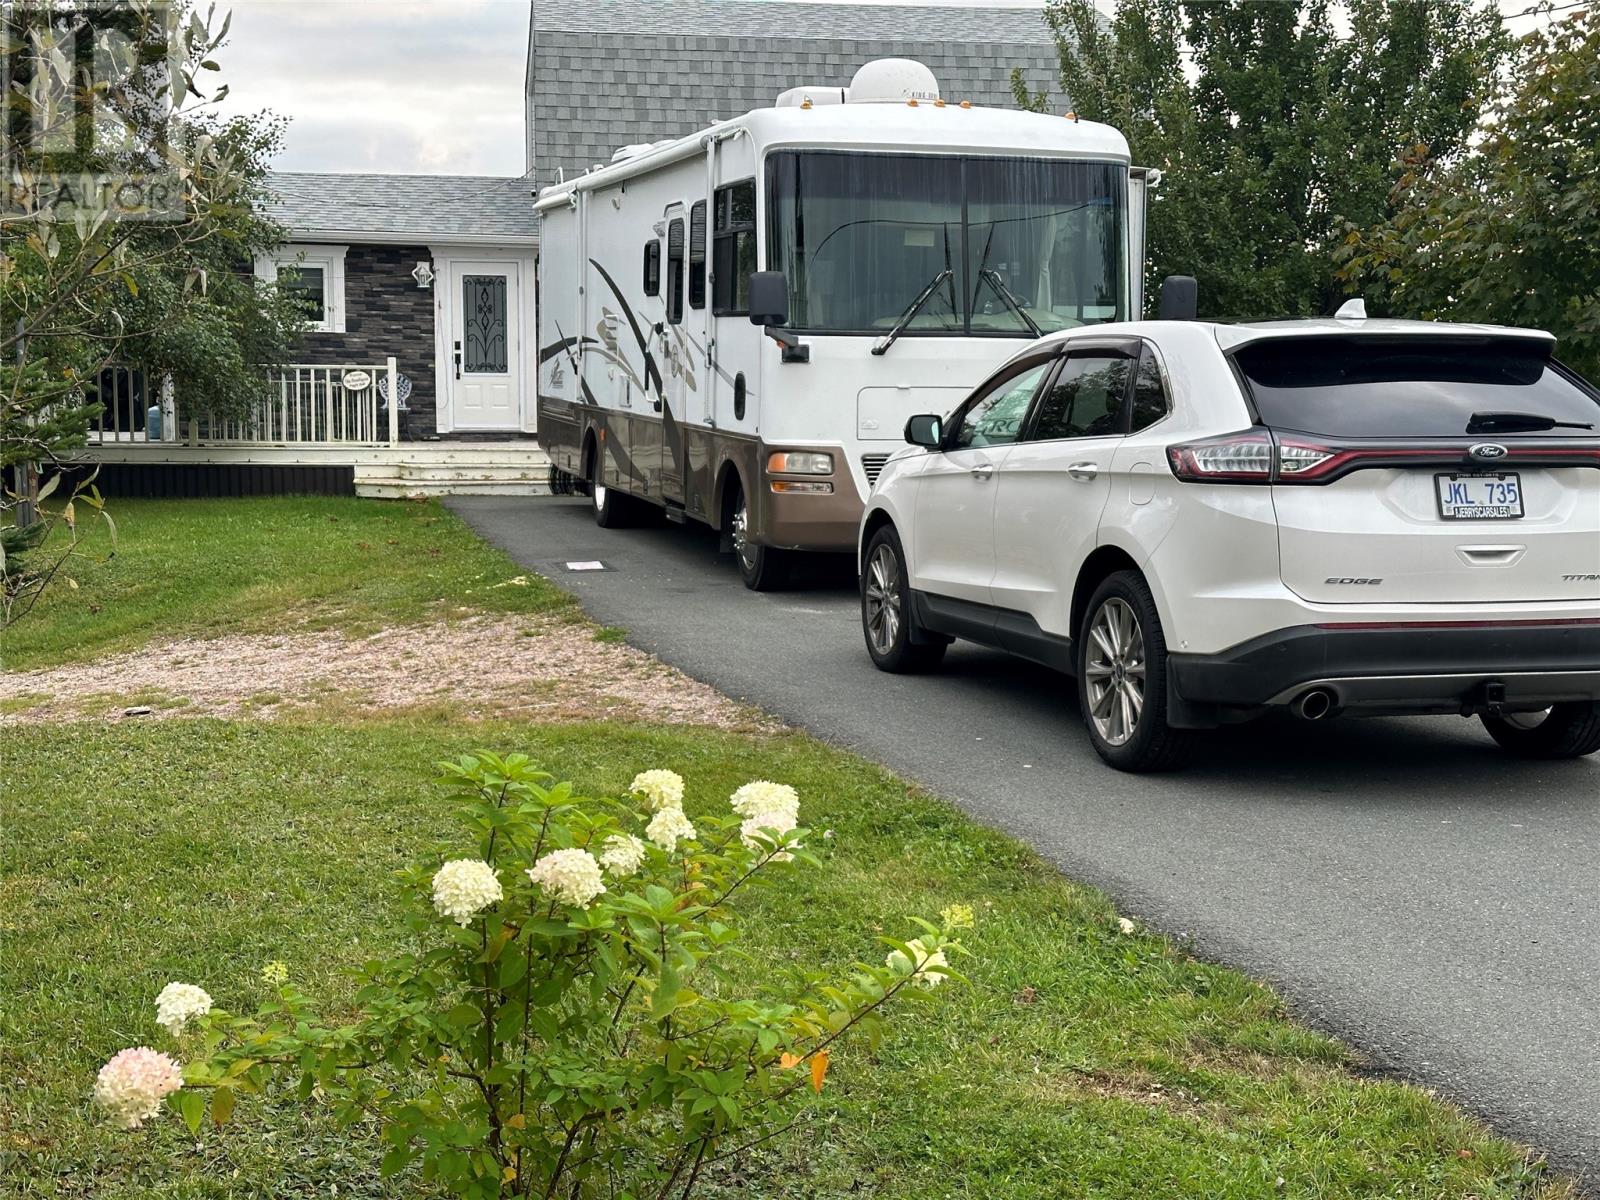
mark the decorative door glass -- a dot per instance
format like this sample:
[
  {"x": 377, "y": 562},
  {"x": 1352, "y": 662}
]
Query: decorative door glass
[{"x": 483, "y": 324}]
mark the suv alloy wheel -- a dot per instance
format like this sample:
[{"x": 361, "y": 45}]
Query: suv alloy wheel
[
  {"x": 1122, "y": 679},
  {"x": 893, "y": 639}
]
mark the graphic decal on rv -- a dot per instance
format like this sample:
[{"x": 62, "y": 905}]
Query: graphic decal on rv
[
  {"x": 564, "y": 346},
  {"x": 677, "y": 364},
  {"x": 652, "y": 373}
]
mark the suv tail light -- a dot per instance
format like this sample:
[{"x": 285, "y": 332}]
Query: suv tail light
[
  {"x": 1262, "y": 455},
  {"x": 1252, "y": 456}
]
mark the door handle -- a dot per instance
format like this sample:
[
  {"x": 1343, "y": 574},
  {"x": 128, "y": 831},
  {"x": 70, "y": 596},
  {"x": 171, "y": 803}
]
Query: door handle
[
  {"x": 1083, "y": 471},
  {"x": 458, "y": 359},
  {"x": 982, "y": 471}
]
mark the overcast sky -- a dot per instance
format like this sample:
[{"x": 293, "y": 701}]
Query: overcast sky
[{"x": 426, "y": 86}]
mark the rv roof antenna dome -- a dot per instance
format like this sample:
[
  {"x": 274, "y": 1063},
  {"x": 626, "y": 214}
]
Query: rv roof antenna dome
[{"x": 893, "y": 81}]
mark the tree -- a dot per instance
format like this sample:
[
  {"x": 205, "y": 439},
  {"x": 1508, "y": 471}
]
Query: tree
[
  {"x": 1510, "y": 233},
  {"x": 1274, "y": 124},
  {"x": 127, "y": 230}
]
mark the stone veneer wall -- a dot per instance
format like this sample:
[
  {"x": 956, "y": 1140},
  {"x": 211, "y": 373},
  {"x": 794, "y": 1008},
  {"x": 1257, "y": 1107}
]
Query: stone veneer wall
[{"x": 385, "y": 313}]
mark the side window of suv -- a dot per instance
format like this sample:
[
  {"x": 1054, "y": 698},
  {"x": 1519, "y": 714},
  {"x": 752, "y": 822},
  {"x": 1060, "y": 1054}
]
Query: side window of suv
[
  {"x": 1086, "y": 399},
  {"x": 995, "y": 419},
  {"x": 1149, "y": 393}
]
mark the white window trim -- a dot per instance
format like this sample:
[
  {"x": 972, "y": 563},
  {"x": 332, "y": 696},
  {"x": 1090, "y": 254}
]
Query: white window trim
[{"x": 330, "y": 259}]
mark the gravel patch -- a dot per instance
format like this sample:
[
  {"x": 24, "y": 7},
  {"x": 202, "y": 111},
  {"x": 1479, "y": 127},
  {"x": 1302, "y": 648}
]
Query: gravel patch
[{"x": 537, "y": 667}]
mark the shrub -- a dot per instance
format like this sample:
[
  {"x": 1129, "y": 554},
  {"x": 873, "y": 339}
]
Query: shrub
[{"x": 563, "y": 1022}]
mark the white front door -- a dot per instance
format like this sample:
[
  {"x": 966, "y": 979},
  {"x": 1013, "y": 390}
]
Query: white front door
[{"x": 485, "y": 374}]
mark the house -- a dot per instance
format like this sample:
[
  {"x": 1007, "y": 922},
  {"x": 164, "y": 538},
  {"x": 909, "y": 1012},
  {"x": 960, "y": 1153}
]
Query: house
[
  {"x": 416, "y": 373},
  {"x": 417, "y": 287},
  {"x": 437, "y": 270}
]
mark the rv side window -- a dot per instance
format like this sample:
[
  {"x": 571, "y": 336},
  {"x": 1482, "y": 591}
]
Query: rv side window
[
  {"x": 675, "y": 271},
  {"x": 734, "y": 248},
  {"x": 652, "y": 267},
  {"x": 697, "y": 255}
]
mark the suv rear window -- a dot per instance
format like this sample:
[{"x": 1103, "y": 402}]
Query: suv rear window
[{"x": 1354, "y": 387}]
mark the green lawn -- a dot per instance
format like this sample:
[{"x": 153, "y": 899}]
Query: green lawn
[
  {"x": 1079, "y": 1061},
  {"x": 198, "y": 567}
]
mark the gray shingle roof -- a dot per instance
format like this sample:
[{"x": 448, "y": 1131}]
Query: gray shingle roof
[
  {"x": 606, "y": 73},
  {"x": 779, "y": 19},
  {"x": 404, "y": 208}
]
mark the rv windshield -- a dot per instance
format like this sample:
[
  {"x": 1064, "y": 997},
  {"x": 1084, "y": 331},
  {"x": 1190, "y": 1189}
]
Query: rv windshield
[{"x": 1031, "y": 244}]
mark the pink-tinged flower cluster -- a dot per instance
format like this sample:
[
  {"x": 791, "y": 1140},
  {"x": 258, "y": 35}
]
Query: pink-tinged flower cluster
[{"x": 133, "y": 1084}]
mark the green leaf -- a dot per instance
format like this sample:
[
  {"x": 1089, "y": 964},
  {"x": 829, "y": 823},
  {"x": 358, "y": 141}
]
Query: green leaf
[
  {"x": 394, "y": 1161},
  {"x": 222, "y": 1105},
  {"x": 665, "y": 998},
  {"x": 513, "y": 967},
  {"x": 192, "y": 1108}
]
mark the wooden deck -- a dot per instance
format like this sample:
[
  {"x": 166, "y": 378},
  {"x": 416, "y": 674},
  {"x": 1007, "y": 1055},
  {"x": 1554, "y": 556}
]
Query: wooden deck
[{"x": 426, "y": 468}]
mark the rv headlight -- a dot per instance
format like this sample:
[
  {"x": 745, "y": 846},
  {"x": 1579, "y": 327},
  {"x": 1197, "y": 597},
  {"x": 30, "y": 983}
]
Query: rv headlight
[{"x": 800, "y": 462}]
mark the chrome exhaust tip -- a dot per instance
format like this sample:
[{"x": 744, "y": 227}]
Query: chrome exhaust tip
[{"x": 1314, "y": 705}]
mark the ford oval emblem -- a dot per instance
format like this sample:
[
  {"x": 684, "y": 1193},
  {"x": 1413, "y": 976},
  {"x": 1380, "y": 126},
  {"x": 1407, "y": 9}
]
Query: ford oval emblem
[{"x": 1488, "y": 450}]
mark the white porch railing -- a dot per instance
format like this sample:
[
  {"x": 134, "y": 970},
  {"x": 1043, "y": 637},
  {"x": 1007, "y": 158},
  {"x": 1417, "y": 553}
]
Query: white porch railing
[{"x": 310, "y": 405}]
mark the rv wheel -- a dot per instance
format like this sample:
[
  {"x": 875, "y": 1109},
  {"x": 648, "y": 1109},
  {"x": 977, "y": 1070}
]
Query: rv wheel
[
  {"x": 611, "y": 507},
  {"x": 762, "y": 568}
]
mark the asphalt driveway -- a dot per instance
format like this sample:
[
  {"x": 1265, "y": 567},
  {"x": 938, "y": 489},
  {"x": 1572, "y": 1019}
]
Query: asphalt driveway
[{"x": 1405, "y": 884}]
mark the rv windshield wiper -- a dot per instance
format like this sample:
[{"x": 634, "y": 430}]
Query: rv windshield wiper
[
  {"x": 882, "y": 345},
  {"x": 1514, "y": 422},
  {"x": 1012, "y": 302}
]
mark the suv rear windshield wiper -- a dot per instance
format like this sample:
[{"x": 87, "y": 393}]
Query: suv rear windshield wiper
[
  {"x": 1515, "y": 422},
  {"x": 882, "y": 345}
]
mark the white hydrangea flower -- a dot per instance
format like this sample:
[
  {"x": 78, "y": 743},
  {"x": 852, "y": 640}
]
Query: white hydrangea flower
[
  {"x": 133, "y": 1084},
  {"x": 769, "y": 825},
  {"x": 762, "y": 796},
  {"x": 180, "y": 1003},
  {"x": 464, "y": 887},
  {"x": 622, "y": 855},
  {"x": 661, "y": 789},
  {"x": 570, "y": 876},
  {"x": 667, "y": 826},
  {"x": 898, "y": 962}
]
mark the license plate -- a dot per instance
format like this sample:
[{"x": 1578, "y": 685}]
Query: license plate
[{"x": 1479, "y": 497}]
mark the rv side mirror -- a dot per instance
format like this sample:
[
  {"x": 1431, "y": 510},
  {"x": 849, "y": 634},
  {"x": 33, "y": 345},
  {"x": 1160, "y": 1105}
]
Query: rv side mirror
[
  {"x": 925, "y": 429},
  {"x": 1179, "y": 298},
  {"x": 769, "y": 298}
]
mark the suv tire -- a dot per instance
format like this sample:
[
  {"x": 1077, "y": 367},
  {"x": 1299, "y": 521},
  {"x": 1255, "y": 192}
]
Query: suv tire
[
  {"x": 1122, "y": 679},
  {"x": 894, "y": 640},
  {"x": 1566, "y": 731}
]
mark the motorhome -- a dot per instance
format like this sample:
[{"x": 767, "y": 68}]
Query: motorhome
[{"x": 735, "y": 326}]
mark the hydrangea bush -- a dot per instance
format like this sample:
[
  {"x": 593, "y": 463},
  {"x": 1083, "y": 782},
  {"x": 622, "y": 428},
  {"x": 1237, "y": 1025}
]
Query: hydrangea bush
[{"x": 561, "y": 1022}]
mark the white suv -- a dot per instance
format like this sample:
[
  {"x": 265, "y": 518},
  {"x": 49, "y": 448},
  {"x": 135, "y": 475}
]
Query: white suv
[{"x": 1203, "y": 522}]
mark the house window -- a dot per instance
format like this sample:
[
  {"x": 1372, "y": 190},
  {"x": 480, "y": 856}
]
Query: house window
[
  {"x": 697, "y": 255},
  {"x": 734, "y": 248},
  {"x": 675, "y": 271},
  {"x": 314, "y": 277},
  {"x": 652, "y": 267}
]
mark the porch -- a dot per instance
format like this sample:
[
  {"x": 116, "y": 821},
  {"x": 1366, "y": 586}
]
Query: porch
[{"x": 322, "y": 429}]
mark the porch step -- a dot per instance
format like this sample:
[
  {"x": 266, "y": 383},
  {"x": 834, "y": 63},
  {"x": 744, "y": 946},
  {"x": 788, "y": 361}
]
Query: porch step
[
  {"x": 395, "y": 487},
  {"x": 441, "y": 469},
  {"x": 467, "y": 472}
]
